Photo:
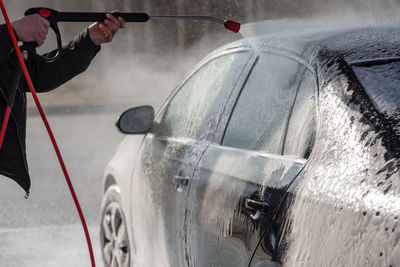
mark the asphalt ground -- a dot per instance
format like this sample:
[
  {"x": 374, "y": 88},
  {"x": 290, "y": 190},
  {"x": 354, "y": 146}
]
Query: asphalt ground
[{"x": 44, "y": 230}]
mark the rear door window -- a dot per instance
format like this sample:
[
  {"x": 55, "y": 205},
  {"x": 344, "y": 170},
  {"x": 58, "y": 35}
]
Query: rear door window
[
  {"x": 260, "y": 117},
  {"x": 194, "y": 110}
]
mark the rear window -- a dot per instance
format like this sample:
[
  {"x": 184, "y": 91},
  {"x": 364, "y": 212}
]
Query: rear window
[{"x": 382, "y": 84}]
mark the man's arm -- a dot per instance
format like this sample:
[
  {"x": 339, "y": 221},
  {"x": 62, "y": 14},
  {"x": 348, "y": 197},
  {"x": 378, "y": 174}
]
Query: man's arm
[{"x": 75, "y": 57}]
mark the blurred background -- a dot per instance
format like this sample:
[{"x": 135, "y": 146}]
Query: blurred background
[
  {"x": 149, "y": 59},
  {"x": 141, "y": 66}
]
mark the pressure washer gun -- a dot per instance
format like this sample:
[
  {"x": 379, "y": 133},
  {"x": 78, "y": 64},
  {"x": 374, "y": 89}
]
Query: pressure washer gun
[{"x": 54, "y": 17}]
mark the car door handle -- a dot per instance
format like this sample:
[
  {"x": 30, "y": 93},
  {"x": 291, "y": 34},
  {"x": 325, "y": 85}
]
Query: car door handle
[
  {"x": 180, "y": 182},
  {"x": 183, "y": 180},
  {"x": 256, "y": 208}
]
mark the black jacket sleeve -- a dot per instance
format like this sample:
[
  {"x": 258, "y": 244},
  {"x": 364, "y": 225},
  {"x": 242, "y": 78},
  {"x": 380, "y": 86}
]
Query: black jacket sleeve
[
  {"x": 6, "y": 46},
  {"x": 75, "y": 58}
]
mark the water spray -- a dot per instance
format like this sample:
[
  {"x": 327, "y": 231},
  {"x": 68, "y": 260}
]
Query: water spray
[{"x": 53, "y": 17}]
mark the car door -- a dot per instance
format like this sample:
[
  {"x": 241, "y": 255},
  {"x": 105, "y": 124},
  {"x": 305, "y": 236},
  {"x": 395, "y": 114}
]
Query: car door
[
  {"x": 240, "y": 181},
  {"x": 169, "y": 155},
  {"x": 299, "y": 143}
]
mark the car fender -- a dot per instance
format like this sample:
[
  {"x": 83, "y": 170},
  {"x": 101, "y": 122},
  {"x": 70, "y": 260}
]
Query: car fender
[{"x": 120, "y": 168}]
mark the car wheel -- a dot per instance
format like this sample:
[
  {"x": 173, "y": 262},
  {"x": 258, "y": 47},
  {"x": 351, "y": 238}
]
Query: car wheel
[{"x": 113, "y": 231}]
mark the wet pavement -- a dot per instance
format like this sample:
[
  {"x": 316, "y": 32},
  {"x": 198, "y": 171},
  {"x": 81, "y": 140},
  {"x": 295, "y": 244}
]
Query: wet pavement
[
  {"x": 45, "y": 229},
  {"x": 47, "y": 246}
]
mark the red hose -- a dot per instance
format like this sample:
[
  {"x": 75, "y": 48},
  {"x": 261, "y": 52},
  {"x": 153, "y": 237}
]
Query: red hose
[
  {"x": 49, "y": 131},
  {"x": 4, "y": 125}
]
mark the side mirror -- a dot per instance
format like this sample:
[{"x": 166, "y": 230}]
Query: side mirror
[{"x": 136, "y": 120}]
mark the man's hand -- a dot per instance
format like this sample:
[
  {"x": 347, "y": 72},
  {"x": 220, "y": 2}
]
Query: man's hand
[
  {"x": 103, "y": 32},
  {"x": 32, "y": 28}
]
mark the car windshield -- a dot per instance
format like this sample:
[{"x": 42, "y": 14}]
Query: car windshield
[{"x": 382, "y": 84}]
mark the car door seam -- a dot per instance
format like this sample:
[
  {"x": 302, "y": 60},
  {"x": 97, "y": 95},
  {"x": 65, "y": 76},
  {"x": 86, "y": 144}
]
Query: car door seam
[
  {"x": 275, "y": 212},
  {"x": 290, "y": 112}
]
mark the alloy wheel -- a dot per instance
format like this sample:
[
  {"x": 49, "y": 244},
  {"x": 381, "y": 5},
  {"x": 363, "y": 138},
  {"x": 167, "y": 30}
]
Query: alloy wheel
[{"x": 114, "y": 237}]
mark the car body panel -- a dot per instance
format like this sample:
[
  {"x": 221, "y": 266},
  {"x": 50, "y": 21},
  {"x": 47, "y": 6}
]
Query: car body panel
[
  {"x": 120, "y": 167},
  {"x": 157, "y": 199}
]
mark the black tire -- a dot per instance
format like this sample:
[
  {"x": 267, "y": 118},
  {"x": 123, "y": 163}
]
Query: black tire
[{"x": 114, "y": 240}]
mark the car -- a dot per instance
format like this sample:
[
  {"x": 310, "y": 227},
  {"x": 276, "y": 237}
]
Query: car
[{"x": 277, "y": 150}]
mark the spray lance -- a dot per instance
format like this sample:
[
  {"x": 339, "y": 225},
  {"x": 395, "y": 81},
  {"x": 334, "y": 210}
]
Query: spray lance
[{"x": 54, "y": 17}]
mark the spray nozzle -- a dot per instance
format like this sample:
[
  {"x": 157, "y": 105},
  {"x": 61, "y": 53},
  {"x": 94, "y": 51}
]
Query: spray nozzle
[
  {"x": 228, "y": 24},
  {"x": 232, "y": 25}
]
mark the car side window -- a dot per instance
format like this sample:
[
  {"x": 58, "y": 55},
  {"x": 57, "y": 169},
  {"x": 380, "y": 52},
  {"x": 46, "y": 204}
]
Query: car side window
[
  {"x": 194, "y": 110},
  {"x": 260, "y": 117},
  {"x": 302, "y": 125}
]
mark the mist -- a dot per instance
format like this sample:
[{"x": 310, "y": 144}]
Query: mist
[{"x": 146, "y": 61}]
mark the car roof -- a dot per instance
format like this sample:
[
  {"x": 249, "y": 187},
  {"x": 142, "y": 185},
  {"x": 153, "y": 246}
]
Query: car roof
[{"x": 354, "y": 45}]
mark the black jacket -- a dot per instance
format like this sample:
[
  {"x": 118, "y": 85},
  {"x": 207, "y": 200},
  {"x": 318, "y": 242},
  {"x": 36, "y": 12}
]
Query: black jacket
[{"x": 75, "y": 58}]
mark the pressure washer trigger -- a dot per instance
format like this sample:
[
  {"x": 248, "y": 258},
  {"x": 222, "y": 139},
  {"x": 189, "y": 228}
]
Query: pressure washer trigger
[
  {"x": 52, "y": 16},
  {"x": 30, "y": 46}
]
